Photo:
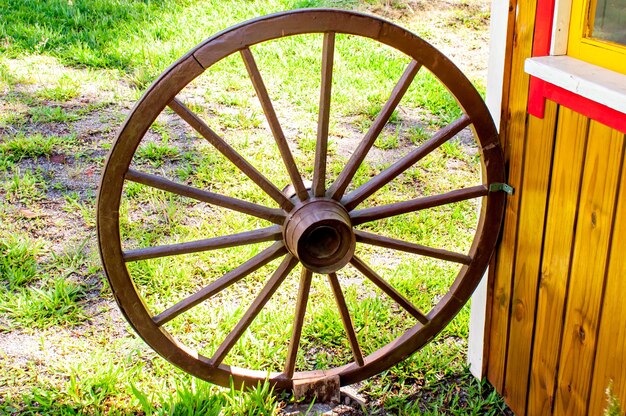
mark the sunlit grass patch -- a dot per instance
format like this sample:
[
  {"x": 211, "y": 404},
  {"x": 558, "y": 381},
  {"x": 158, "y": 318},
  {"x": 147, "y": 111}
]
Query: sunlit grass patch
[
  {"x": 156, "y": 154},
  {"x": 5, "y": 77},
  {"x": 24, "y": 186},
  {"x": 57, "y": 303},
  {"x": 387, "y": 141},
  {"x": 193, "y": 397},
  {"x": 140, "y": 38},
  {"x": 74, "y": 258},
  {"x": 66, "y": 88},
  {"x": 51, "y": 114},
  {"x": 18, "y": 260},
  {"x": 23, "y": 146},
  {"x": 13, "y": 116},
  {"x": 76, "y": 204},
  {"x": 95, "y": 384}
]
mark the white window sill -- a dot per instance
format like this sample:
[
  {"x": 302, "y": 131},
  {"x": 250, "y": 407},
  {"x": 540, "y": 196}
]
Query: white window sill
[{"x": 582, "y": 78}]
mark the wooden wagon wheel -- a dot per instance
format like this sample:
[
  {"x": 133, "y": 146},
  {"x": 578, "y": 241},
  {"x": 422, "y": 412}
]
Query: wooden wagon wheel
[{"x": 314, "y": 227}]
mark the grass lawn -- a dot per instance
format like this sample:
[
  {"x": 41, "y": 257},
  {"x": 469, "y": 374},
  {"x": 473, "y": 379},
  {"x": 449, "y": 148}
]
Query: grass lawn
[{"x": 70, "y": 72}]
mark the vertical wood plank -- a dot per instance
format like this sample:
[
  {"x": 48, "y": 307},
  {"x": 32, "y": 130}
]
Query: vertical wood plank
[
  {"x": 515, "y": 120},
  {"x": 610, "y": 367},
  {"x": 569, "y": 153},
  {"x": 593, "y": 230},
  {"x": 539, "y": 145}
]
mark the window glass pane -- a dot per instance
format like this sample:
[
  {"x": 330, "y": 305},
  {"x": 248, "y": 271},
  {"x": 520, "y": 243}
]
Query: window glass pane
[{"x": 610, "y": 21}]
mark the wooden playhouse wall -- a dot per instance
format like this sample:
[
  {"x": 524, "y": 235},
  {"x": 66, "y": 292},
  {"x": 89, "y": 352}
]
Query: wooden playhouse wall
[{"x": 556, "y": 334}]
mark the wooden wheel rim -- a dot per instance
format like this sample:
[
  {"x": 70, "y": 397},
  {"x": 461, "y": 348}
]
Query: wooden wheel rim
[{"x": 238, "y": 38}]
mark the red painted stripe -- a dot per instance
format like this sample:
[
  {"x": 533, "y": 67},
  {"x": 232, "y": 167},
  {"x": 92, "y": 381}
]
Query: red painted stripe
[
  {"x": 536, "y": 97},
  {"x": 541, "y": 47},
  {"x": 543, "y": 27},
  {"x": 589, "y": 108}
]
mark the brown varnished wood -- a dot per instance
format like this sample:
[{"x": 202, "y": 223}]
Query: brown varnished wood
[
  {"x": 231, "y": 154},
  {"x": 338, "y": 187},
  {"x": 391, "y": 210},
  {"x": 272, "y": 119},
  {"x": 321, "y": 149},
  {"x": 357, "y": 196},
  {"x": 345, "y": 319},
  {"x": 239, "y": 39},
  {"x": 395, "y": 244},
  {"x": 274, "y": 215},
  {"x": 298, "y": 321},
  {"x": 257, "y": 305},
  {"x": 249, "y": 237},
  {"x": 233, "y": 276}
]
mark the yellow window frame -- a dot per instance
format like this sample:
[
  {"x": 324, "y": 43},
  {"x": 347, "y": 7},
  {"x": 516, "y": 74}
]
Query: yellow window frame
[{"x": 584, "y": 47}]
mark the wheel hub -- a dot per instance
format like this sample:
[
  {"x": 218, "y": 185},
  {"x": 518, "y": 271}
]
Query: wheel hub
[{"x": 319, "y": 233}]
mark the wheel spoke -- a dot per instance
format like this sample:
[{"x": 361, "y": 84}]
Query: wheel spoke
[
  {"x": 273, "y": 252},
  {"x": 321, "y": 149},
  {"x": 345, "y": 318},
  {"x": 388, "y": 289},
  {"x": 298, "y": 321},
  {"x": 266, "y": 293},
  {"x": 376, "y": 213},
  {"x": 392, "y": 243},
  {"x": 357, "y": 196},
  {"x": 338, "y": 188},
  {"x": 249, "y": 237},
  {"x": 274, "y": 215},
  {"x": 272, "y": 119},
  {"x": 231, "y": 154}
]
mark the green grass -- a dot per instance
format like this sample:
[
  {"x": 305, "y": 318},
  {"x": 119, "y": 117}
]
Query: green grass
[
  {"x": 94, "y": 390},
  {"x": 26, "y": 186},
  {"x": 22, "y": 146},
  {"x": 157, "y": 154},
  {"x": 56, "y": 304},
  {"x": 49, "y": 114},
  {"x": 387, "y": 141},
  {"x": 614, "y": 407},
  {"x": 66, "y": 88},
  {"x": 98, "y": 33},
  {"x": 71, "y": 70},
  {"x": 82, "y": 206},
  {"x": 18, "y": 260}
]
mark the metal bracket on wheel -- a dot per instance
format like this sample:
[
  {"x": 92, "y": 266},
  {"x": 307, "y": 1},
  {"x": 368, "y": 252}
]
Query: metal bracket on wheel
[{"x": 499, "y": 186}]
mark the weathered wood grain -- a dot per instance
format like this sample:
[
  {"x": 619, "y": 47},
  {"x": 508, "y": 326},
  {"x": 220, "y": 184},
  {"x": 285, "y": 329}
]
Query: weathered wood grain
[
  {"x": 593, "y": 231},
  {"x": 571, "y": 139},
  {"x": 610, "y": 365},
  {"x": 537, "y": 169}
]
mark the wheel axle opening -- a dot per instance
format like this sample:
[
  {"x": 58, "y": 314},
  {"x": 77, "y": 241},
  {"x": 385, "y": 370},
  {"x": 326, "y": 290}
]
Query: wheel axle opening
[
  {"x": 322, "y": 242},
  {"x": 319, "y": 233}
]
